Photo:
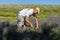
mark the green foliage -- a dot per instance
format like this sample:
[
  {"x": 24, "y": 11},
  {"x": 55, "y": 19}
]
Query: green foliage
[{"x": 10, "y": 11}]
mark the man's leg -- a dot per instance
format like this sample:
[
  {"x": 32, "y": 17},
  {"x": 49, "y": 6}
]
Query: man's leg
[
  {"x": 20, "y": 22},
  {"x": 24, "y": 26}
]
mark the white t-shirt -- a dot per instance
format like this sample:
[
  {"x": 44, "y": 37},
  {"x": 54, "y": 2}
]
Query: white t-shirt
[{"x": 25, "y": 12}]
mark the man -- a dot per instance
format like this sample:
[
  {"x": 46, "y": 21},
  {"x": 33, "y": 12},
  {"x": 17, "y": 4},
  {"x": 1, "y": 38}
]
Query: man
[{"x": 23, "y": 17}]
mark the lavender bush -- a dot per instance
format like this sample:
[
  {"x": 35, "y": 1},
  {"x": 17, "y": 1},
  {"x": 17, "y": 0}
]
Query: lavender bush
[{"x": 48, "y": 30}]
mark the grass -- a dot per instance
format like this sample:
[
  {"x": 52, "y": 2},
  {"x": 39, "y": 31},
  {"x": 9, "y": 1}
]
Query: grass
[{"x": 12, "y": 10}]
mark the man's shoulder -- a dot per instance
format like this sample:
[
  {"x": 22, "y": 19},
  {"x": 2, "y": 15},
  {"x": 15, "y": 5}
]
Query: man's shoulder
[{"x": 26, "y": 9}]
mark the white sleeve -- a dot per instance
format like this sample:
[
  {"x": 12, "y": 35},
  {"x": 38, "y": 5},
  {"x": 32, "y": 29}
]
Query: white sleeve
[{"x": 27, "y": 15}]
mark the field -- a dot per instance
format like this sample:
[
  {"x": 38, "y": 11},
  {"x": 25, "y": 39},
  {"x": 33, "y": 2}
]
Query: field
[
  {"x": 11, "y": 11},
  {"x": 49, "y": 23}
]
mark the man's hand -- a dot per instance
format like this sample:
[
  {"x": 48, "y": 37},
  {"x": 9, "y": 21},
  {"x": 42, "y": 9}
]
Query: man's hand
[
  {"x": 27, "y": 20},
  {"x": 31, "y": 25}
]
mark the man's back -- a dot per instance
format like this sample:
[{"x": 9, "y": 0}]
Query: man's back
[{"x": 26, "y": 12}]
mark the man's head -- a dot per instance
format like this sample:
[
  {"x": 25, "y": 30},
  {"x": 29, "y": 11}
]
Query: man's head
[{"x": 36, "y": 10}]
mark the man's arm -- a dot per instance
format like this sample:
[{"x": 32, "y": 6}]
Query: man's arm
[
  {"x": 36, "y": 22},
  {"x": 36, "y": 19},
  {"x": 27, "y": 20}
]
